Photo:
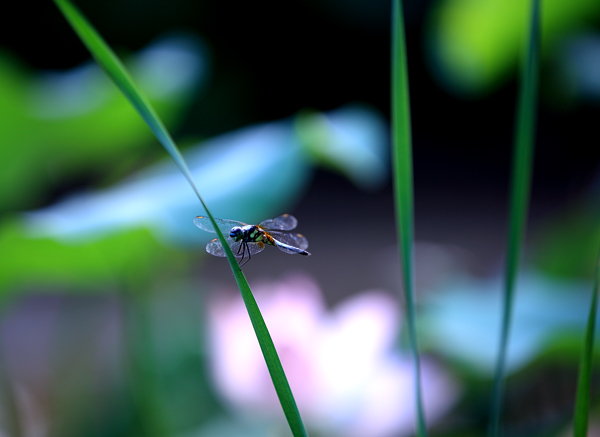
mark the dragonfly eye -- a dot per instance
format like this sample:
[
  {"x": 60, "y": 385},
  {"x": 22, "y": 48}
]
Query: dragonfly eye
[{"x": 236, "y": 233}]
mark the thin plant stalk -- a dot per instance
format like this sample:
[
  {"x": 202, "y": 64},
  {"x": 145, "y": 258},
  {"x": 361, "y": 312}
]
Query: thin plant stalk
[
  {"x": 582, "y": 400},
  {"x": 142, "y": 366},
  {"x": 403, "y": 189},
  {"x": 12, "y": 420},
  {"x": 522, "y": 169}
]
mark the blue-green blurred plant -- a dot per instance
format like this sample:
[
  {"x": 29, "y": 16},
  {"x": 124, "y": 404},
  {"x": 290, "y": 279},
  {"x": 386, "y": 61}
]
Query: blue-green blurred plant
[
  {"x": 63, "y": 126},
  {"x": 461, "y": 316},
  {"x": 568, "y": 243},
  {"x": 577, "y": 59},
  {"x": 248, "y": 174}
]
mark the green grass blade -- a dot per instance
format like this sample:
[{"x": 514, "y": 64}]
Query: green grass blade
[
  {"x": 403, "y": 188},
  {"x": 519, "y": 199},
  {"x": 119, "y": 75},
  {"x": 116, "y": 71},
  {"x": 11, "y": 422},
  {"x": 582, "y": 401}
]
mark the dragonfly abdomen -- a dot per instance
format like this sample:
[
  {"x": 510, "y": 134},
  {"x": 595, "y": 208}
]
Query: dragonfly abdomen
[{"x": 290, "y": 249}]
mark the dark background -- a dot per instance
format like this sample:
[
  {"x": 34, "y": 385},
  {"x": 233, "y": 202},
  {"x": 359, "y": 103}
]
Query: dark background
[{"x": 272, "y": 59}]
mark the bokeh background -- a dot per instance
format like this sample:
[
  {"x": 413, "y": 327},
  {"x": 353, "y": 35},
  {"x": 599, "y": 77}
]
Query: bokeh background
[{"x": 112, "y": 316}]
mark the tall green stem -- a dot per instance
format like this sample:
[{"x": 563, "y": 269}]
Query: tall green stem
[
  {"x": 403, "y": 188},
  {"x": 522, "y": 169},
  {"x": 582, "y": 401}
]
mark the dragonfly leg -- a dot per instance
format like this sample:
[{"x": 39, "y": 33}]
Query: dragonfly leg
[
  {"x": 242, "y": 249},
  {"x": 245, "y": 250}
]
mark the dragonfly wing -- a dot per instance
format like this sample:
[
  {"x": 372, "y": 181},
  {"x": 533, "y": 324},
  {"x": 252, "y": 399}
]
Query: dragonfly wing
[
  {"x": 256, "y": 247},
  {"x": 284, "y": 222},
  {"x": 216, "y": 248},
  {"x": 205, "y": 224},
  {"x": 291, "y": 239}
]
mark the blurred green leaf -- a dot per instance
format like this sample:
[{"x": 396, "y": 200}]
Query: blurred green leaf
[
  {"x": 476, "y": 44},
  {"x": 568, "y": 245},
  {"x": 85, "y": 266}
]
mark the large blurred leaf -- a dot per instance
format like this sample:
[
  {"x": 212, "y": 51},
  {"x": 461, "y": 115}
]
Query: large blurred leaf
[
  {"x": 158, "y": 197},
  {"x": 95, "y": 264},
  {"x": 568, "y": 244},
  {"x": 461, "y": 316},
  {"x": 475, "y": 44},
  {"x": 352, "y": 140}
]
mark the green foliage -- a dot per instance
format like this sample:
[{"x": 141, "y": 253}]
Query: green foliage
[
  {"x": 82, "y": 265},
  {"x": 43, "y": 143},
  {"x": 477, "y": 44},
  {"x": 568, "y": 245}
]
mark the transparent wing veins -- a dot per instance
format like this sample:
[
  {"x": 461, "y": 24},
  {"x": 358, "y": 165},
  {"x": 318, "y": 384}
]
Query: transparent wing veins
[
  {"x": 215, "y": 248},
  {"x": 291, "y": 239},
  {"x": 205, "y": 224},
  {"x": 284, "y": 222}
]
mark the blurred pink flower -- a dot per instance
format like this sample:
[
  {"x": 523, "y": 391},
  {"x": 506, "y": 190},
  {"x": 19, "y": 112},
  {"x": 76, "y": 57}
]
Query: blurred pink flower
[{"x": 341, "y": 365}]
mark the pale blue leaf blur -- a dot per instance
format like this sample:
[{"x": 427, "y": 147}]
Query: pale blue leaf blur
[
  {"x": 462, "y": 319},
  {"x": 246, "y": 175}
]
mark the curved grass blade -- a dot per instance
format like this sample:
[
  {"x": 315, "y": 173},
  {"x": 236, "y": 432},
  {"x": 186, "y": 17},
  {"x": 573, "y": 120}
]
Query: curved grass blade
[
  {"x": 119, "y": 75},
  {"x": 403, "y": 188},
  {"x": 519, "y": 200},
  {"x": 582, "y": 401}
]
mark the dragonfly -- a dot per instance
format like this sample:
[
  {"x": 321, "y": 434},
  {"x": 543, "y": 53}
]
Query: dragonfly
[{"x": 246, "y": 240}]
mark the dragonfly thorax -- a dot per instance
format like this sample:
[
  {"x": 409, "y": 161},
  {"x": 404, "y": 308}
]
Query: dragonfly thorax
[{"x": 249, "y": 234}]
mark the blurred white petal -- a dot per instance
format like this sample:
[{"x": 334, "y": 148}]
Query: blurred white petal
[{"x": 341, "y": 365}]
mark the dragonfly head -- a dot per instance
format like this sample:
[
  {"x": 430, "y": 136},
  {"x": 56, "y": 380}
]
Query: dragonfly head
[{"x": 236, "y": 233}]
